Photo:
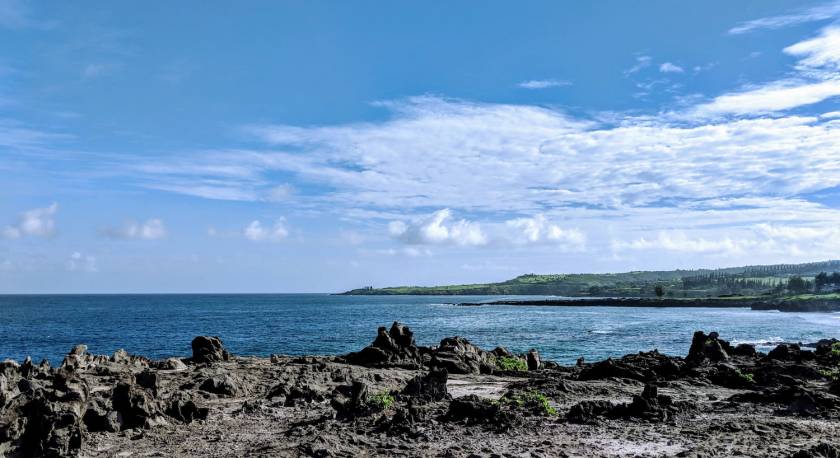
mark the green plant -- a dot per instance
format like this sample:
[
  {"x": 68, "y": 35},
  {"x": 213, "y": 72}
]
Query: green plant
[
  {"x": 749, "y": 378},
  {"x": 833, "y": 374},
  {"x": 510, "y": 363},
  {"x": 835, "y": 349},
  {"x": 381, "y": 401},
  {"x": 531, "y": 398}
]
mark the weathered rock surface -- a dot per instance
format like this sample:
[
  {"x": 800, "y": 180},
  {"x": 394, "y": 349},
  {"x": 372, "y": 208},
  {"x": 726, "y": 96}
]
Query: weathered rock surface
[{"x": 397, "y": 398}]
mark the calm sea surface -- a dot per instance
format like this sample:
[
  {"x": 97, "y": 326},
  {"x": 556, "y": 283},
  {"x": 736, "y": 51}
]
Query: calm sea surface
[{"x": 163, "y": 325}]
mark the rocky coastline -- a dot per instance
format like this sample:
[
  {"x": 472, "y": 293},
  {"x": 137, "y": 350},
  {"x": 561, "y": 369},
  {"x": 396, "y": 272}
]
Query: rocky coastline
[
  {"x": 396, "y": 398},
  {"x": 815, "y": 304}
]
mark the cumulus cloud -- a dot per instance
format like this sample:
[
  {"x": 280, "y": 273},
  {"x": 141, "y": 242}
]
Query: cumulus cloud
[
  {"x": 38, "y": 222},
  {"x": 437, "y": 229},
  {"x": 256, "y": 232},
  {"x": 79, "y": 262},
  {"x": 441, "y": 228},
  {"x": 668, "y": 67},
  {"x": 543, "y": 84},
  {"x": 152, "y": 229}
]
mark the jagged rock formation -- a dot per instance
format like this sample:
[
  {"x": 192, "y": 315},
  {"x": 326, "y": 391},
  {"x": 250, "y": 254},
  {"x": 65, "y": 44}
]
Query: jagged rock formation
[{"x": 395, "y": 397}]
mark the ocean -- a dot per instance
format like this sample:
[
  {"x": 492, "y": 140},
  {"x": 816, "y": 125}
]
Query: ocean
[{"x": 158, "y": 326}]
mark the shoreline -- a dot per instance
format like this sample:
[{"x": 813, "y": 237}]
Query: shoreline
[
  {"x": 395, "y": 397},
  {"x": 779, "y": 304}
]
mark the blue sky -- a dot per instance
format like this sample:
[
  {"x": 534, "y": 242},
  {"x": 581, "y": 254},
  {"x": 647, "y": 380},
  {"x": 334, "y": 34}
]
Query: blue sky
[{"x": 322, "y": 146}]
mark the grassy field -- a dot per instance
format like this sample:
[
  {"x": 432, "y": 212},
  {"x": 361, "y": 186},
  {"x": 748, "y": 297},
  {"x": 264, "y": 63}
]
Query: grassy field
[{"x": 732, "y": 281}]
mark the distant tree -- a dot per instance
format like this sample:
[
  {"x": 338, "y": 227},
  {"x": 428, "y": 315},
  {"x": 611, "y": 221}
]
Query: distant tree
[
  {"x": 659, "y": 290},
  {"x": 820, "y": 280},
  {"x": 797, "y": 284}
]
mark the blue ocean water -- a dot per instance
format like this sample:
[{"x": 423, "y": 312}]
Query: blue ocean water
[{"x": 47, "y": 326}]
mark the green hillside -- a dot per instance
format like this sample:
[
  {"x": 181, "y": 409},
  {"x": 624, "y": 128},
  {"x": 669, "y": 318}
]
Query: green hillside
[{"x": 747, "y": 280}]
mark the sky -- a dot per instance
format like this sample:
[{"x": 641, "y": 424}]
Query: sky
[{"x": 314, "y": 146}]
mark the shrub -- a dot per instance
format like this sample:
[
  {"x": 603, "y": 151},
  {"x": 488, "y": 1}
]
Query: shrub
[
  {"x": 533, "y": 399},
  {"x": 509, "y": 363},
  {"x": 381, "y": 401}
]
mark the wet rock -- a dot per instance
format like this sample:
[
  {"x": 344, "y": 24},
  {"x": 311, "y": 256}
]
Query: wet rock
[
  {"x": 224, "y": 385},
  {"x": 823, "y": 450},
  {"x": 394, "y": 348},
  {"x": 207, "y": 349},
  {"x": 785, "y": 352},
  {"x": 533, "y": 360},
  {"x": 428, "y": 388}
]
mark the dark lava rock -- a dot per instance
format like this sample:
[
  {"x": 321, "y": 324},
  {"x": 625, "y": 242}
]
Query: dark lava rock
[
  {"x": 207, "y": 349},
  {"x": 224, "y": 385},
  {"x": 394, "y": 348},
  {"x": 823, "y": 450},
  {"x": 708, "y": 348},
  {"x": 149, "y": 380},
  {"x": 99, "y": 416},
  {"x": 644, "y": 367},
  {"x": 458, "y": 356},
  {"x": 794, "y": 400},
  {"x": 472, "y": 409},
  {"x": 185, "y": 410},
  {"x": 746, "y": 350},
  {"x": 650, "y": 405},
  {"x": 589, "y": 411},
  {"x": 52, "y": 428},
  {"x": 533, "y": 359},
  {"x": 136, "y": 406},
  {"x": 785, "y": 352},
  {"x": 428, "y": 388}
]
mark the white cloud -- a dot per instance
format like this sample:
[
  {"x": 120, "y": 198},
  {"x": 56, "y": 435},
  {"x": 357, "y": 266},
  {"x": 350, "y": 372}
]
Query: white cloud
[
  {"x": 818, "y": 13},
  {"x": 38, "y": 222},
  {"x": 96, "y": 70},
  {"x": 539, "y": 229},
  {"x": 256, "y": 232},
  {"x": 642, "y": 62},
  {"x": 543, "y": 84},
  {"x": 152, "y": 229},
  {"x": 776, "y": 96},
  {"x": 440, "y": 228},
  {"x": 437, "y": 229},
  {"x": 79, "y": 262},
  {"x": 668, "y": 67},
  {"x": 819, "y": 52}
]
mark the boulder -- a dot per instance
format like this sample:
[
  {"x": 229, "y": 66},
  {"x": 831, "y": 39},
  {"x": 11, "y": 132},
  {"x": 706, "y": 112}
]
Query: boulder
[
  {"x": 185, "y": 410},
  {"x": 785, "y": 352},
  {"x": 224, "y": 385},
  {"x": 135, "y": 405},
  {"x": 207, "y": 349},
  {"x": 706, "y": 348},
  {"x": 458, "y": 356},
  {"x": 428, "y": 388},
  {"x": 746, "y": 350},
  {"x": 52, "y": 429}
]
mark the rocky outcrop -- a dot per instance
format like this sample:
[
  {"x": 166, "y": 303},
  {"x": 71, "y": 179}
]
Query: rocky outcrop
[
  {"x": 708, "y": 348},
  {"x": 207, "y": 349},
  {"x": 649, "y": 406},
  {"x": 391, "y": 348},
  {"x": 430, "y": 387},
  {"x": 458, "y": 356}
]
